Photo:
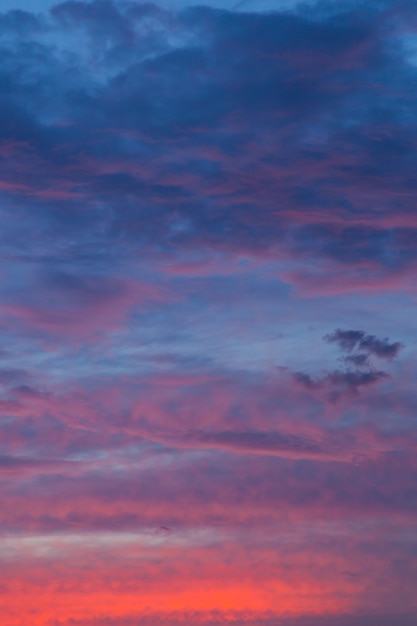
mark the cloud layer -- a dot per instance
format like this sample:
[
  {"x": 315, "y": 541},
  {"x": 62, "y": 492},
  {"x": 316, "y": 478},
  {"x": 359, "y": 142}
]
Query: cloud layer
[{"x": 192, "y": 198}]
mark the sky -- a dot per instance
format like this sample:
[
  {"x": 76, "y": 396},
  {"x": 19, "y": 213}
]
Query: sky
[
  {"x": 207, "y": 313},
  {"x": 253, "y": 6}
]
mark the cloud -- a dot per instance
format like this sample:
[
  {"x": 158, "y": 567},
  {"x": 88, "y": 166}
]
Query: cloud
[
  {"x": 359, "y": 360},
  {"x": 77, "y": 307},
  {"x": 349, "y": 340},
  {"x": 400, "y": 619},
  {"x": 14, "y": 465},
  {"x": 172, "y": 182},
  {"x": 275, "y": 443},
  {"x": 338, "y": 383},
  {"x": 256, "y": 108}
]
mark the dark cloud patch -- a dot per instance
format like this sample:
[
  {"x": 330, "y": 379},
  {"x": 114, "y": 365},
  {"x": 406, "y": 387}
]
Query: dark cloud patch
[
  {"x": 354, "y": 380},
  {"x": 339, "y": 383},
  {"x": 358, "y": 348},
  {"x": 349, "y": 340},
  {"x": 306, "y": 380},
  {"x": 358, "y": 360}
]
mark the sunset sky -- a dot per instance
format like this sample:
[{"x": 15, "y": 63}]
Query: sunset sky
[{"x": 208, "y": 294}]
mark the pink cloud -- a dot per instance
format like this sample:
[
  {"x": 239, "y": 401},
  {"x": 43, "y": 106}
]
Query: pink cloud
[{"x": 101, "y": 305}]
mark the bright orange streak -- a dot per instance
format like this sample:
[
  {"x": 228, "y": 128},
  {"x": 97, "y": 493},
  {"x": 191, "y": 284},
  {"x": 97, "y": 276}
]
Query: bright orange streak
[
  {"x": 94, "y": 585},
  {"x": 23, "y": 608}
]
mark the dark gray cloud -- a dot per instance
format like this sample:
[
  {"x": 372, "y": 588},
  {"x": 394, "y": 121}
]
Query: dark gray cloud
[
  {"x": 338, "y": 383},
  {"x": 359, "y": 371},
  {"x": 358, "y": 360},
  {"x": 349, "y": 340}
]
